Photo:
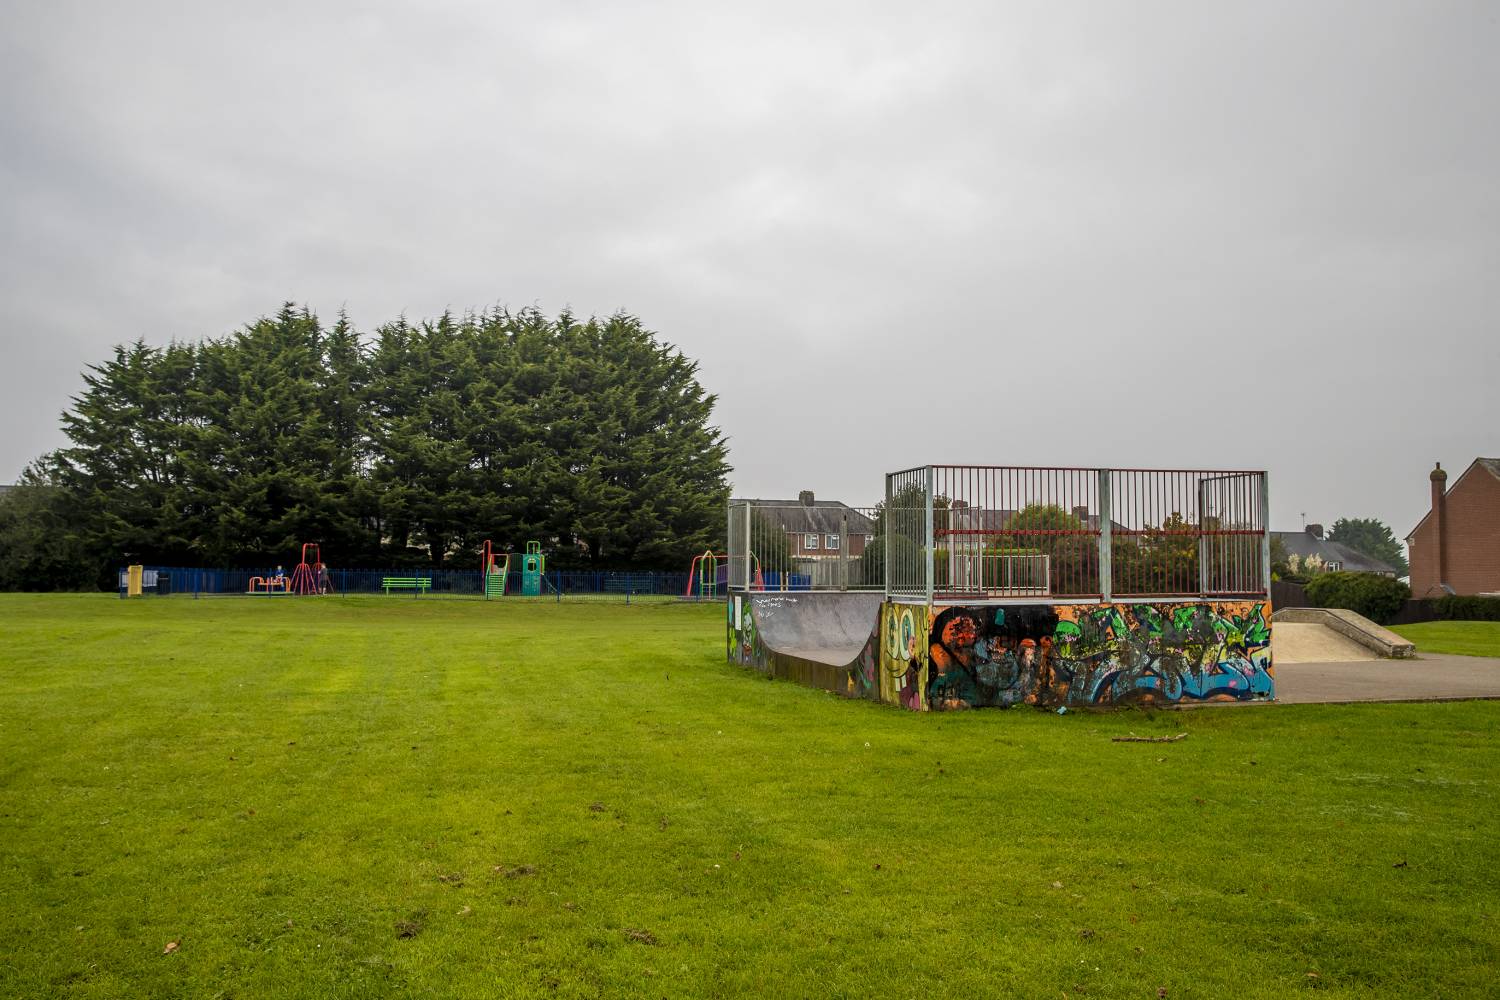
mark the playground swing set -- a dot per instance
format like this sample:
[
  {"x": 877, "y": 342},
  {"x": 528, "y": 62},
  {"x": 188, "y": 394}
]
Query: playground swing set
[
  {"x": 308, "y": 577},
  {"x": 709, "y": 573}
]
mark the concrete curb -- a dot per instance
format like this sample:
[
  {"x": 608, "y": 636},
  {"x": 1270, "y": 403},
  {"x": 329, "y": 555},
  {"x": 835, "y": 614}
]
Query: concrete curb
[{"x": 1357, "y": 627}]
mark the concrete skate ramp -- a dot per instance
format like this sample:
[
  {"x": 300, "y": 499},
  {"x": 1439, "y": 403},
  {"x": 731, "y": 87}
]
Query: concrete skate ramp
[
  {"x": 829, "y": 629},
  {"x": 1293, "y": 642}
]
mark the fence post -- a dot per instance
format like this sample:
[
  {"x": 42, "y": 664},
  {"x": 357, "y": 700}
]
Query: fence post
[
  {"x": 887, "y": 517},
  {"x": 844, "y": 550},
  {"x": 748, "y": 552},
  {"x": 1106, "y": 537},
  {"x": 931, "y": 543},
  {"x": 1203, "y": 553},
  {"x": 1265, "y": 534}
]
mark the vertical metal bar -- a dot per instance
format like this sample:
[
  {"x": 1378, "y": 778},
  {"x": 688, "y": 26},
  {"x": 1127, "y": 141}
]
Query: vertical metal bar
[
  {"x": 1106, "y": 538},
  {"x": 749, "y": 552},
  {"x": 887, "y": 523},
  {"x": 1265, "y": 537},
  {"x": 930, "y": 545},
  {"x": 1202, "y": 542},
  {"x": 844, "y": 550}
]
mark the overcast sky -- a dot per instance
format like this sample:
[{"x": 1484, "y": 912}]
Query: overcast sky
[{"x": 1186, "y": 235}]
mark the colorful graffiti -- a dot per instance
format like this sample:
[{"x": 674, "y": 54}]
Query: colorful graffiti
[
  {"x": 745, "y": 647},
  {"x": 863, "y": 671},
  {"x": 1098, "y": 655},
  {"x": 980, "y": 656},
  {"x": 903, "y": 662}
]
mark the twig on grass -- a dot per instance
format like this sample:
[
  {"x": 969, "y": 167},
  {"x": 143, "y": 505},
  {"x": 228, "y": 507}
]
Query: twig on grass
[{"x": 1133, "y": 738}]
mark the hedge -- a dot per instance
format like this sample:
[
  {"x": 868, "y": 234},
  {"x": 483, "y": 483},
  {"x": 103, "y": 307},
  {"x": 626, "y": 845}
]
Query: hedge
[
  {"x": 1466, "y": 609},
  {"x": 1376, "y": 597}
]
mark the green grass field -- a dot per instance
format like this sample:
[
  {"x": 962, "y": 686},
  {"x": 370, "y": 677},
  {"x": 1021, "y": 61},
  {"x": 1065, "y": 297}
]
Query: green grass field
[
  {"x": 1461, "y": 638},
  {"x": 389, "y": 797}
]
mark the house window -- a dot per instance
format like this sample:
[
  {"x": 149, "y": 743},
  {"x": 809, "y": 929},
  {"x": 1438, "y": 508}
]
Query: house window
[
  {"x": 869, "y": 539},
  {"x": 831, "y": 541},
  {"x": 1333, "y": 567},
  {"x": 810, "y": 542}
]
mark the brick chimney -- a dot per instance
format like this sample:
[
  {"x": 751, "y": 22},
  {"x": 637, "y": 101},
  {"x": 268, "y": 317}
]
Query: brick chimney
[
  {"x": 1439, "y": 480},
  {"x": 1316, "y": 530},
  {"x": 806, "y": 496}
]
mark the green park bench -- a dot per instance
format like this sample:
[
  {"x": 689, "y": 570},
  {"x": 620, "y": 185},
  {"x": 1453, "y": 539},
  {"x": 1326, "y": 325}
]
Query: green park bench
[{"x": 421, "y": 584}]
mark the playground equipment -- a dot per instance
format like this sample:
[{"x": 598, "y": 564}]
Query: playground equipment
[
  {"x": 533, "y": 565},
  {"x": 703, "y": 575},
  {"x": 495, "y": 569},
  {"x": 269, "y": 585},
  {"x": 310, "y": 578}
]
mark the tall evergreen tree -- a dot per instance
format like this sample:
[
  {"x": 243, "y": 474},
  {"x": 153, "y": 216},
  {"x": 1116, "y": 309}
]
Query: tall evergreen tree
[
  {"x": 590, "y": 436},
  {"x": 1372, "y": 537}
]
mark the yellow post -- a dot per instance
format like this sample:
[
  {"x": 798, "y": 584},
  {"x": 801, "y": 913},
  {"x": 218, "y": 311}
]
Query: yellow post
[{"x": 133, "y": 577}]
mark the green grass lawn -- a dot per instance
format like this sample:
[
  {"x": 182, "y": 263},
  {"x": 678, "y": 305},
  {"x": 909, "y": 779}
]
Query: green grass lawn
[
  {"x": 392, "y": 797},
  {"x": 1462, "y": 638}
]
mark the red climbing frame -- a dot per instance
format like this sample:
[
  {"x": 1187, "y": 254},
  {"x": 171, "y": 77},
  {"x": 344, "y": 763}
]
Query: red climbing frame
[{"x": 310, "y": 578}]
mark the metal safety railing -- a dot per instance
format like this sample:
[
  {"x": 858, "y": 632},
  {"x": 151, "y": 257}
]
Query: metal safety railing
[
  {"x": 994, "y": 532},
  {"x": 803, "y": 546}
]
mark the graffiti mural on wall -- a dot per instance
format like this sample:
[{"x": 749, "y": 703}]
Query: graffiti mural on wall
[
  {"x": 903, "y": 661},
  {"x": 979, "y": 656},
  {"x": 744, "y": 645},
  {"x": 1098, "y": 655},
  {"x": 862, "y": 672}
]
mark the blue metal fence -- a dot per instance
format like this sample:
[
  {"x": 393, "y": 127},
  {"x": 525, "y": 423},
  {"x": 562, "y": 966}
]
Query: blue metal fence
[{"x": 192, "y": 581}]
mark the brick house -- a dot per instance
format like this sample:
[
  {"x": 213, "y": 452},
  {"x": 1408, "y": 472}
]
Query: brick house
[
  {"x": 816, "y": 529},
  {"x": 1455, "y": 548}
]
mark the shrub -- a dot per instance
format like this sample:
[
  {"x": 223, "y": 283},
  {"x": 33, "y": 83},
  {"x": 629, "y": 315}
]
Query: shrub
[{"x": 1376, "y": 597}]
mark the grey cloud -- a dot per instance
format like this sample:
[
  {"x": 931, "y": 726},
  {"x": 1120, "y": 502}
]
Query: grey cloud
[{"x": 1146, "y": 234}]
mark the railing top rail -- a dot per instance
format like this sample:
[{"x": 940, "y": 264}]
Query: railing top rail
[{"x": 1084, "y": 468}]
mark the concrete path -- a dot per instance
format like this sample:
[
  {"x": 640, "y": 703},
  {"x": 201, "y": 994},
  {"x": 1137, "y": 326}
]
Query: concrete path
[{"x": 1429, "y": 677}]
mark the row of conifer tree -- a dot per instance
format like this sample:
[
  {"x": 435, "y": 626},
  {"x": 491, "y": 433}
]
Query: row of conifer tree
[{"x": 408, "y": 447}]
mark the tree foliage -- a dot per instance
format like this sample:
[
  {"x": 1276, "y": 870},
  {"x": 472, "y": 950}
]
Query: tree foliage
[
  {"x": 1373, "y": 538},
  {"x": 591, "y": 436}
]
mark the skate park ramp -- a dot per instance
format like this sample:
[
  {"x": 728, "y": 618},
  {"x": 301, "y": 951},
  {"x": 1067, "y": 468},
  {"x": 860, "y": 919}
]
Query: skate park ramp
[
  {"x": 1304, "y": 642},
  {"x": 1332, "y": 635},
  {"x": 1330, "y": 656},
  {"x": 822, "y": 628}
]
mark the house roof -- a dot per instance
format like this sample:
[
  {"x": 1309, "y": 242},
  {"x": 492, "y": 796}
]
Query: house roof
[
  {"x": 1490, "y": 465},
  {"x": 822, "y": 516},
  {"x": 1302, "y": 544}
]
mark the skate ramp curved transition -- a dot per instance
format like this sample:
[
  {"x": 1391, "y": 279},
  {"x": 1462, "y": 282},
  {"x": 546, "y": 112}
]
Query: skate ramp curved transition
[{"x": 827, "y": 640}]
